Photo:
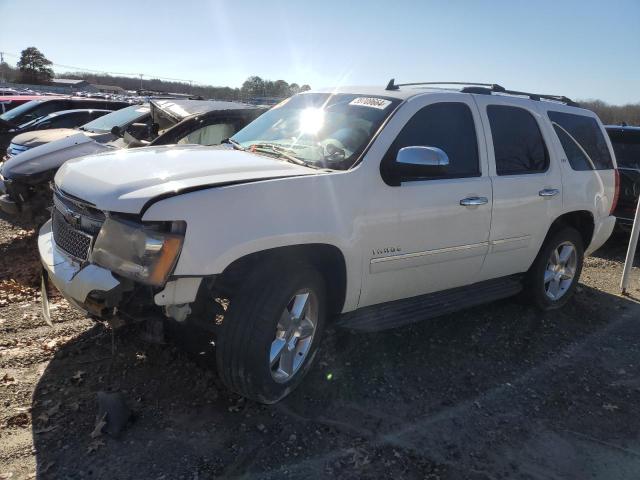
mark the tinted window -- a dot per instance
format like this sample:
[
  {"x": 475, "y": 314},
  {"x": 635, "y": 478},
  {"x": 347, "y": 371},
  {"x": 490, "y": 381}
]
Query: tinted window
[
  {"x": 448, "y": 126},
  {"x": 69, "y": 120},
  {"x": 517, "y": 142},
  {"x": 576, "y": 156},
  {"x": 587, "y": 133},
  {"x": 626, "y": 145}
]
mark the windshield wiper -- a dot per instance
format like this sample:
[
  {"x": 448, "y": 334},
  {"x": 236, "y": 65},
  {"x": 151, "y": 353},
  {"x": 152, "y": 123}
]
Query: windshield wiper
[
  {"x": 233, "y": 143},
  {"x": 281, "y": 152}
]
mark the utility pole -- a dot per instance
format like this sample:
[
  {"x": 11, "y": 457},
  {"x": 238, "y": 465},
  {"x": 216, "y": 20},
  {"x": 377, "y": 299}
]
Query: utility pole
[
  {"x": 631, "y": 252},
  {"x": 141, "y": 75}
]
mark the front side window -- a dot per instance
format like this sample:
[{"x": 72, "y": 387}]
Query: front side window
[
  {"x": 586, "y": 132},
  {"x": 448, "y": 126},
  {"x": 626, "y": 145},
  {"x": 517, "y": 141},
  {"x": 320, "y": 129}
]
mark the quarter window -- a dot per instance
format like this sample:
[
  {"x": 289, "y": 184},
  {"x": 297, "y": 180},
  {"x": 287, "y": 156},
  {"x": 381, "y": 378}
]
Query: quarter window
[
  {"x": 586, "y": 132},
  {"x": 448, "y": 126},
  {"x": 517, "y": 142}
]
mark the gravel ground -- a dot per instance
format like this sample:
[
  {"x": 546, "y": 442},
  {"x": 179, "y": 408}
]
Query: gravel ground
[{"x": 500, "y": 391}]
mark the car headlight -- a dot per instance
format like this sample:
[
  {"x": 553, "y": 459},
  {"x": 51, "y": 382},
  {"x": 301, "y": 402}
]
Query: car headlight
[{"x": 138, "y": 251}]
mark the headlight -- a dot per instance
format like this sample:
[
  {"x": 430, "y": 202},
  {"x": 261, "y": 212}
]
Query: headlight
[{"x": 136, "y": 251}]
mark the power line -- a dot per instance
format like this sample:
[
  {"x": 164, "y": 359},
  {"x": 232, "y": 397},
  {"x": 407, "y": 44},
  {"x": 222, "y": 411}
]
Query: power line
[{"x": 104, "y": 72}]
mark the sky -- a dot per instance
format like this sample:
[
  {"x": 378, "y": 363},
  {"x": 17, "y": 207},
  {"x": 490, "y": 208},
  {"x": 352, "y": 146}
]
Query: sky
[{"x": 582, "y": 49}]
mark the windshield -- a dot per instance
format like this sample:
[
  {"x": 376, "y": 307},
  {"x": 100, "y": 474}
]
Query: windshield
[
  {"x": 120, "y": 118},
  {"x": 36, "y": 121},
  {"x": 627, "y": 149},
  {"x": 13, "y": 115},
  {"x": 321, "y": 129}
]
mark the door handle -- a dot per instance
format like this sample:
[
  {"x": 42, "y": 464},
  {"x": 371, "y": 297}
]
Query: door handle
[
  {"x": 474, "y": 201},
  {"x": 549, "y": 192}
]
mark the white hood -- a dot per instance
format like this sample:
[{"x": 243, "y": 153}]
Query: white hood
[{"x": 125, "y": 180}]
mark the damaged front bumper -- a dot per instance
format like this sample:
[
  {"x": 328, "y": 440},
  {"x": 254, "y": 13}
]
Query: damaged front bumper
[
  {"x": 74, "y": 281},
  {"x": 97, "y": 291}
]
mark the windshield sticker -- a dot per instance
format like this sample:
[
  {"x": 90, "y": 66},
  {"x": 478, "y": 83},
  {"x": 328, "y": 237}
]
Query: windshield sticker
[{"x": 373, "y": 102}]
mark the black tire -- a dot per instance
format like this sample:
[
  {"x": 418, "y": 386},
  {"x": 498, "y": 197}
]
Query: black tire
[
  {"x": 534, "y": 287},
  {"x": 250, "y": 324}
]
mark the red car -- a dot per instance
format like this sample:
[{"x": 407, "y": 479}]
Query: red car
[{"x": 11, "y": 101}]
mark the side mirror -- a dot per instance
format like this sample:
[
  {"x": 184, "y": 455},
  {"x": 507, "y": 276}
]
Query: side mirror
[
  {"x": 116, "y": 131},
  {"x": 422, "y": 157}
]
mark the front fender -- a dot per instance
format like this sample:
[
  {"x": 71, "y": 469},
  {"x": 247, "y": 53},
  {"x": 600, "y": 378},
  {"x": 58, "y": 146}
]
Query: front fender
[{"x": 225, "y": 224}]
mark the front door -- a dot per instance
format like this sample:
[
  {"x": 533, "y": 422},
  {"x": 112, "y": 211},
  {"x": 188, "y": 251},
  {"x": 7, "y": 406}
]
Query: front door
[{"x": 428, "y": 230}]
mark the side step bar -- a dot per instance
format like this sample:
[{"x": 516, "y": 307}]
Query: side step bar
[{"x": 415, "y": 309}]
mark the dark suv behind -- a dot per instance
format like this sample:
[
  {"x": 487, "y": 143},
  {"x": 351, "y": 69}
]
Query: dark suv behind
[{"x": 626, "y": 144}]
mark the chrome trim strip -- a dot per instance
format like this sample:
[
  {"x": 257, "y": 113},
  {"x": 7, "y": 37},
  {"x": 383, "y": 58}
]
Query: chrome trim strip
[
  {"x": 508, "y": 244},
  {"x": 429, "y": 252}
]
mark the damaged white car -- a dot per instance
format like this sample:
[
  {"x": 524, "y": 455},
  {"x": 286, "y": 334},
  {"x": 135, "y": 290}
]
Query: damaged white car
[{"x": 386, "y": 205}]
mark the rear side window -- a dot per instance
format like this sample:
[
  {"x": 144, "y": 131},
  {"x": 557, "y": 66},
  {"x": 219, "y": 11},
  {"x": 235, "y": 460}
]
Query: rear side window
[
  {"x": 448, "y": 126},
  {"x": 517, "y": 142},
  {"x": 626, "y": 145},
  {"x": 585, "y": 132}
]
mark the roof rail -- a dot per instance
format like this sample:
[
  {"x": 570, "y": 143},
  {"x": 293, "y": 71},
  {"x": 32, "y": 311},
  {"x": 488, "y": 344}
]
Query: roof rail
[
  {"x": 395, "y": 86},
  {"x": 488, "y": 89}
]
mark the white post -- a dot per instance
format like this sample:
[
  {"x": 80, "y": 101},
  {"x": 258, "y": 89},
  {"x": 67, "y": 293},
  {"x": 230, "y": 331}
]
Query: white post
[{"x": 631, "y": 252}]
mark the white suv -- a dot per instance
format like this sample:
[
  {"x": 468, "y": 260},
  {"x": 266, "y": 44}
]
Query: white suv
[{"x": 422, "y": 199}]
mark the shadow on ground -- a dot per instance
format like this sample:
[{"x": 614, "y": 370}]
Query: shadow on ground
[{"x": 494, "y": 392}]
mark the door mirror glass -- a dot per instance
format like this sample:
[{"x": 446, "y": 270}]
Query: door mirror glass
[{"x": 422, "y": 157}]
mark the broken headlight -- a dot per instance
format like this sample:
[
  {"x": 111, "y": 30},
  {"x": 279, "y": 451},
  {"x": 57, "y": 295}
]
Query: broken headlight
[{"x": 140, "y": 252}]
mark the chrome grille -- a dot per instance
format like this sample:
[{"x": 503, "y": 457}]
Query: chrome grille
[
  {"x": 69, "y": 239},
  {"x": 14, "y": 149},
  {"x": 75, "y": 225}
]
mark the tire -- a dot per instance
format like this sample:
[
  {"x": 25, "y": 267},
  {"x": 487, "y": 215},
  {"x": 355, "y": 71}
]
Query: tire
[
  {"x": 542, "y": 283},
  {"x": 256, "y": 322}
]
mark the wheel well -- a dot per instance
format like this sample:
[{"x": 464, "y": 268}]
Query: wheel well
[
  {"x": 581, "y": 220},
  {"x": 327, "y": 259}
]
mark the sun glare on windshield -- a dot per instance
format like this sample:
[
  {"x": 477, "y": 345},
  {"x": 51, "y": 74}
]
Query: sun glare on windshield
[{"x": 311, "y": 120}]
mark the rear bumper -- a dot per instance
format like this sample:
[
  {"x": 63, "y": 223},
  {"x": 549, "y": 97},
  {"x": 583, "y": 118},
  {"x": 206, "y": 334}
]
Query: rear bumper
[
  {"x": 74, "y": 281},
  {"x": 601, "y": 234}
]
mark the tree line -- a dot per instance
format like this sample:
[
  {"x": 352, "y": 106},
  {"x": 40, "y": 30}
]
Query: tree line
[{"x": 34, "y": 68}]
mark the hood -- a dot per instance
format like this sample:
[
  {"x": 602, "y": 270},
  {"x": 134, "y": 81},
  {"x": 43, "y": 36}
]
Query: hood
[
  {"x": 38, "y": 137},
  {"x": 50, "y": 156},
  {"x": 124, "y": 181}
]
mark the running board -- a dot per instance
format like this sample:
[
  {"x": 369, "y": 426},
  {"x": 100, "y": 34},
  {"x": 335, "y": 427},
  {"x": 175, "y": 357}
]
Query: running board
[{"x": 415, "y": 309}]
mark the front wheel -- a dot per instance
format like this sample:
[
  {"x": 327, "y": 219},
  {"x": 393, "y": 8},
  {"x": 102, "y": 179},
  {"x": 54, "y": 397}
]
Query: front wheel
[
  {"x": 553, "y": 277},
  {"x": 271, "y": 331}
]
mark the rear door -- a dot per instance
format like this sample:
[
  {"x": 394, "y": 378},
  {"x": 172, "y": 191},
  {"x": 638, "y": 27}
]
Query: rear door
[{"x": 527, "y": 183}]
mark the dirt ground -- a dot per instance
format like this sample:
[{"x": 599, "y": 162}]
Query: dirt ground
[{"x": 500, "y": 391}]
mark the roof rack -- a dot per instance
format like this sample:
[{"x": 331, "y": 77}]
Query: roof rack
[{"x": 488, "y": 89}]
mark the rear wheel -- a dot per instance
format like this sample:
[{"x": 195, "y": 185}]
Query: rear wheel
[
  {"x": 271, "y": 331},
  {"x": 554, "y": 275}
]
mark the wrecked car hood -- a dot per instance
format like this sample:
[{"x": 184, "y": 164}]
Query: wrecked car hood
[
  {"x": 52, "y": 155},
  {"x": 125, "y": 180}
]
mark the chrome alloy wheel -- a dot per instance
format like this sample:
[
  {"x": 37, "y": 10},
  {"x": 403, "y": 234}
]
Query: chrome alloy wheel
[
  {"x": 294, "y": 335},
  {"x": 561, "y": 270}
]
